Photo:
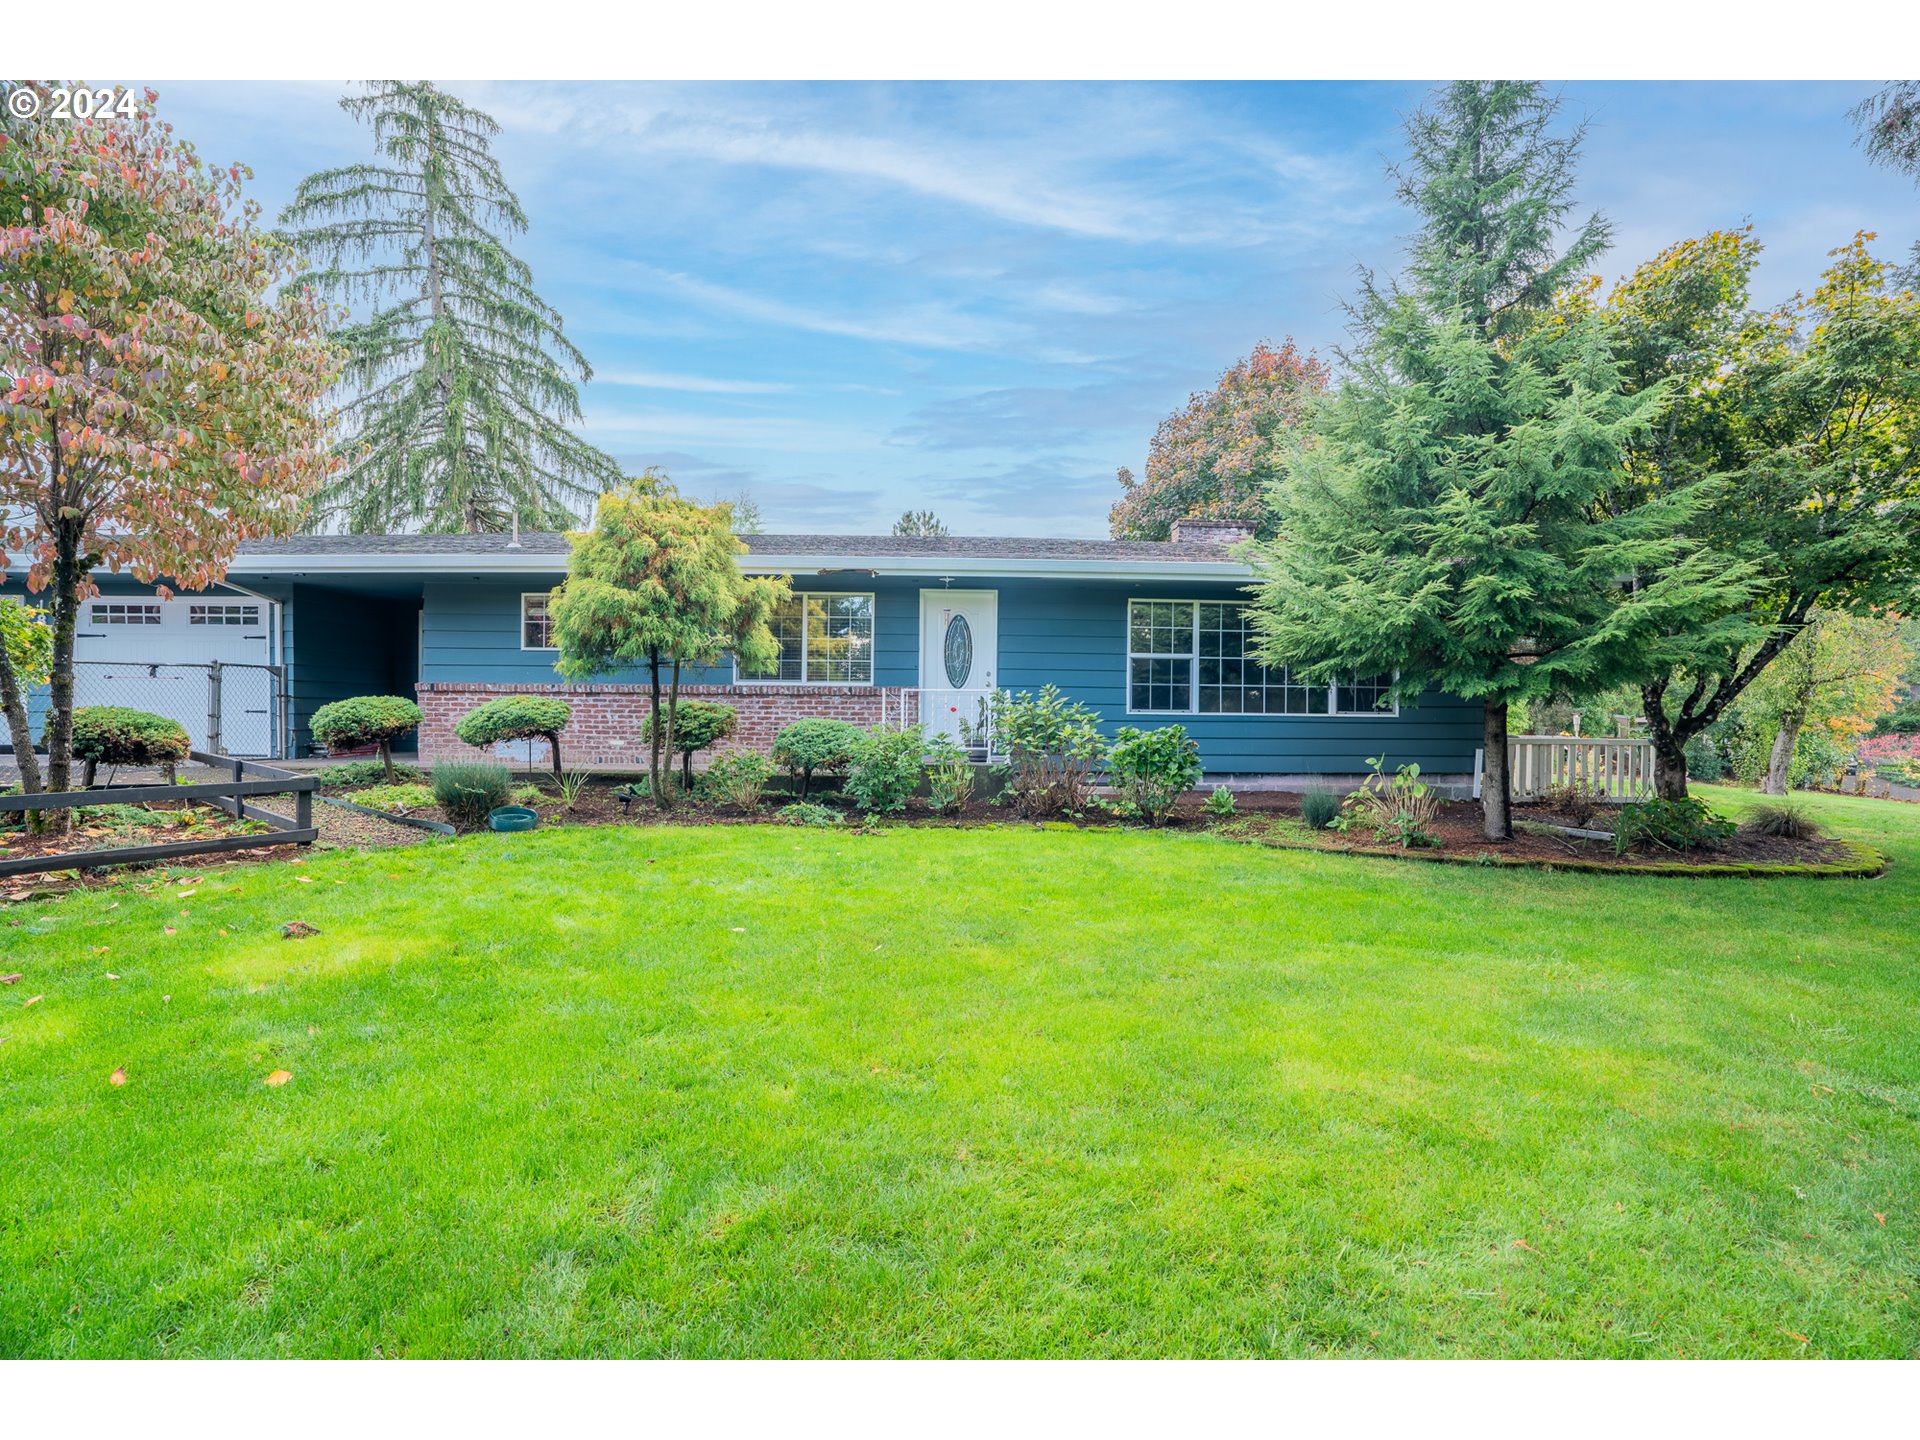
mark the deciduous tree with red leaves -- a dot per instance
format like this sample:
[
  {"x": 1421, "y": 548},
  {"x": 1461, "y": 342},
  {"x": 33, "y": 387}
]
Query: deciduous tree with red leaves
[
  {"x": 160, "y": 387},
  {"x": 1215, "y": 456}
]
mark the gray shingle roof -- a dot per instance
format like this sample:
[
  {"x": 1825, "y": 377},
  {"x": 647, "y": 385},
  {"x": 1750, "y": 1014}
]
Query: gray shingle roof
[{"x": 554, "y": 542}]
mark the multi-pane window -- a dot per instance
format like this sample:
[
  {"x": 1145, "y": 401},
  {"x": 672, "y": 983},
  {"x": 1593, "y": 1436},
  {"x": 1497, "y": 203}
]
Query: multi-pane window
[
  {"x": 116, "y": 612},
  {"x": 223, "y": 614},
  {"x": 536, "y": 621},
  {"x": 824, "y": 638},
  {"x": 1196, "y": 657}
]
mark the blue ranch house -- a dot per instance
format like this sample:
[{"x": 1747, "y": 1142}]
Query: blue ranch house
[{"x": 880, "y": 629}]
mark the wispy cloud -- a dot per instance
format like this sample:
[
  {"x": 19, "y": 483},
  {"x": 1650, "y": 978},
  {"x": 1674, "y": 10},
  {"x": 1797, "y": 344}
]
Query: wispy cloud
[{"x": 694, "y": 384}]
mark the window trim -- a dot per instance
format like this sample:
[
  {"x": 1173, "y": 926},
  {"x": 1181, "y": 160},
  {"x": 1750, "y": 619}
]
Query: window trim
[
  {"x": 199, "y": 611},
  {"x": 1129, "y": 655},
  {"x": 547, "y": 596},
  {"x": 740, "y": 677},
  {"x": 152, "y": 611}
]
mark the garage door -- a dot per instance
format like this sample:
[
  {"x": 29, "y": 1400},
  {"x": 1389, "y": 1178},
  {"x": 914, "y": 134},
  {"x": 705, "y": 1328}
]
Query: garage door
[{"x": 157, "y": 655}]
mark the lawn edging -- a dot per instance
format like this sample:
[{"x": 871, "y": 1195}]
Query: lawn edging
[
  {"x": 1863, "y": 862},
  {"x": 432, "y": 827}
]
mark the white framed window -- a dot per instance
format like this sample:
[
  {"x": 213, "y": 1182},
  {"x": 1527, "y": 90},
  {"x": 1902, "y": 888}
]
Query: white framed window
[
  {"x": 1196, "y": 657},
  {"x": 536, "y": 620},
  {"x": 825, "y": 638},
  {"x": 218, "y": 612},
  {"x": 124, "y": 612}
]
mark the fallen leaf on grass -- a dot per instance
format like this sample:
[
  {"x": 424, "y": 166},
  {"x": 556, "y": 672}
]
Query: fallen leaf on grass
[
  {"x": 188, "y": 894},
  {"x": 279, "y": 1078},
  {"x": 169, "y": 930},
  {"x": 1878, "y": 1216},
  {"x": 297, "y": 930},
  {"x": 28, "y": 1004},
  {"x": 13, "y": 979},
  {"x": 303, "y": 880},
  {"x": 1522, "y": 1245},
  {"x": 110, "y": 975},
  {"x": 119, "y": 1076},
  {"x": 1796, "y": 1335}
]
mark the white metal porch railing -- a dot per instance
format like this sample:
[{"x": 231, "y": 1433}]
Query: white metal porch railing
[
  {"x": 964, "y": 716},
  {"x": 1610, "y": 767}
]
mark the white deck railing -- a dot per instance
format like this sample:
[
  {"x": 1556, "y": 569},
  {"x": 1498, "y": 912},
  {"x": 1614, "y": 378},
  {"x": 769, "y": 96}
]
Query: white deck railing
[
  {"x": 966, "y": 716},
  {"x": 1610, "y": 767}
]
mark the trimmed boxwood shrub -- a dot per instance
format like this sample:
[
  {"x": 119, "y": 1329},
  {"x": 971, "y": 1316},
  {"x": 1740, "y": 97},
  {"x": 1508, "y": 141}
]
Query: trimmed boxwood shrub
[
  {"x": 696, "y": 725},
  {"x": 117, "y": 735},
  {"x": 468, "y": 789},
  {"x": 816, "y": 744},
  {"x": 516, "y": 717},
  {"x": 365, "y": 720}
]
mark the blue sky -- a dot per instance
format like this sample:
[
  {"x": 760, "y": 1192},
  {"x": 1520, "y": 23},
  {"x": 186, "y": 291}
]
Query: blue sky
[{"x": 850, "y": 300}]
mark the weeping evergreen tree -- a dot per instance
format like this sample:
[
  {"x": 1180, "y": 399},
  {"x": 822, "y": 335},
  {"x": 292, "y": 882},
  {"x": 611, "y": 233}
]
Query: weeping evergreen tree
[
  {"x": 461, "y": 385},
  {"x": 1443, "y": 519}
]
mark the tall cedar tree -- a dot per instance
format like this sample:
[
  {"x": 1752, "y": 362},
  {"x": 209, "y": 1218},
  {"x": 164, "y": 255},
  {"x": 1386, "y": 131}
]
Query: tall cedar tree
[
  {"x": 461, "y": 385},
  {"x": 657, "y": 583},
  {"x": 1443, "y": 520},
  {"x": 1803, "y": 420},
  {"x": 923, "y": 523},
  {"x": 1216, "y": 457},
  {"x": 1889, "y": 123},
  {"x": 160, "y": 385}
]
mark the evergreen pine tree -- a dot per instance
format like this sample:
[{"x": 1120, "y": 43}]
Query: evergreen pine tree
[
  {"x": 461, "y": 384},
  {"x": 1443, "y": 522}
]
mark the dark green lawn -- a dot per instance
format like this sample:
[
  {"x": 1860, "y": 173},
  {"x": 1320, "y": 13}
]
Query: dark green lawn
[{"x": 764, "y": 1091}]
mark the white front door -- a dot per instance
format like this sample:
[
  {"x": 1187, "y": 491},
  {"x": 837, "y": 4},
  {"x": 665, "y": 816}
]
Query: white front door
[{"x": 959, "y": 659}]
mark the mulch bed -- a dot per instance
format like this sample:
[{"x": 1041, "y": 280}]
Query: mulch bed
[{"x": 1273, "y": 817}]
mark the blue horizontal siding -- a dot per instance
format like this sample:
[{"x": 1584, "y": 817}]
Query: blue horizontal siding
[{"x": 1069, "y": 633}]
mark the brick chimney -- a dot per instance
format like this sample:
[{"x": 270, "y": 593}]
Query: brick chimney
[{"x": 1211, "y": 532}]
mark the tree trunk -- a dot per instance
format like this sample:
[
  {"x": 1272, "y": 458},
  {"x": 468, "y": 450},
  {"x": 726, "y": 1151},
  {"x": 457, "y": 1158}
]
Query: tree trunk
[
  {"x": 1496, "y": 800},
  {"x": 1669, "y": 749},
  {"x": 654, "y": 787},
  {"x": 25, "y": 761},
  {"x": 686, "y": 769},
  {"x": 386, "y": 758},
  {"x": 66, "y": 613},
  {"x": 553, "y": 743},
  {"x": 673, "y": 714},
  {"x": 1780, "y": 762}
]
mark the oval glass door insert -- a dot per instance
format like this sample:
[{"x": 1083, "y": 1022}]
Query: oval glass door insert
[{"x": 959, "y": 651}]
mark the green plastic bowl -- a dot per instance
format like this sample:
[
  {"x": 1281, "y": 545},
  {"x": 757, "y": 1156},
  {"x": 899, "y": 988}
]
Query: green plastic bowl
[{"x": 511, "y": 818}]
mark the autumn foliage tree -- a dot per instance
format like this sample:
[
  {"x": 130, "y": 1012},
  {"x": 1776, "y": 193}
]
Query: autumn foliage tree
[
  {"x": 160, "y": 386},
  {"x": 1215, "y": 456},
  {"x": 656, "y": 584}
]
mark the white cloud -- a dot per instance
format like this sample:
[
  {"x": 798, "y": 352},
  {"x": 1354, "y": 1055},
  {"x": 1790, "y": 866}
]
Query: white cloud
[{"x": 696, "y": 384}]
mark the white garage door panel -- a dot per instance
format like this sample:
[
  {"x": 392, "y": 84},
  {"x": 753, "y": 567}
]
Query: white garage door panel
[{"x": 153, "y": 654}]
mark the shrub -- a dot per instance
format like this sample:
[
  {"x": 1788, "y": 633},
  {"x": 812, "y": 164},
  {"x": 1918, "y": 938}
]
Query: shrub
[
  {"x": 1704, "y": 761},
  {"x": 365, "y": 720},
  {"x": 1152, "y": 769},
  {"x": 1399, "y": 811},
  {"x": 1668, "y": 825},
  {"x": 468, "y": 789},
  {"x": 1318, "y": 806},
  {"x": 573, "y": 785},
  {"x": 949, "y": 775},
  {"x": 737, "y": 779},
  {"x": 803, "y": 812},
  {"x": 1221, "y": 804},
  {"x": 1903, "y": 719},
  {"x": 696, "y": 725},
  {"x": 1783, "y": 818},
  {"x": 364, "y": 772},
  {"x": 516, "y": 717},
  {"x": 885, "y": 768},
  {"x": 1052, "y": 746},
  {"x": 115, "y": 735},
  {"x": 1577, "y": 802},
  {"x": 398, "y": 799},
  {"x": 815, "y": 745}
]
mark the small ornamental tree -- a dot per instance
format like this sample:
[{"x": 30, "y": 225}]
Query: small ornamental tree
[
  {"x": 657, "y": 583},
  {"x": 115, "y": 735},
  {"x": 160, "y": 385},
  {"x": 365, "y": 720},
  {"x": 696, "y": 725},
  {"x": 29, "y": 662},
  {"x": 816, "y": 746},
  {"x": 1215, "y": 456},
  {"x": 516, "y": 717}
]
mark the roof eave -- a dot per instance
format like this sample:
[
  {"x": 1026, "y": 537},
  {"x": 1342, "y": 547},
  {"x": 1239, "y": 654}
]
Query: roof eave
[{"x": 932, "y": 566}]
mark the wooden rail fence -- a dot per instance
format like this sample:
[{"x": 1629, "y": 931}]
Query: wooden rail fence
[{"x": 250, "y": 780}]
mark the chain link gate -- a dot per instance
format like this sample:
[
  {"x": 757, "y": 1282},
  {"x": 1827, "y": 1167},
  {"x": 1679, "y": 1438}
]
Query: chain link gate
[{"x": 237, "y": 708}]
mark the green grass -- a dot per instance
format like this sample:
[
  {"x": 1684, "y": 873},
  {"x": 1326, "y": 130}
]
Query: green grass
[{"x": 777, "y": 1091}]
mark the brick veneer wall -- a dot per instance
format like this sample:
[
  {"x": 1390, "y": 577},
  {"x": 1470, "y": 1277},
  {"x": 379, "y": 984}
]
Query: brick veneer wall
[{"x": 605, "y": 729}]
